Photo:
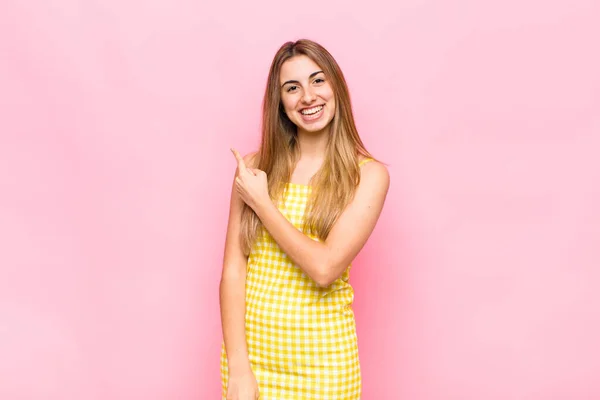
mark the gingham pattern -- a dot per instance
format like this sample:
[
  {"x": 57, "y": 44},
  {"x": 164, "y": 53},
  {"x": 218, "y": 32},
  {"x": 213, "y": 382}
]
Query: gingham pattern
[{"x": 301, "y": 338}]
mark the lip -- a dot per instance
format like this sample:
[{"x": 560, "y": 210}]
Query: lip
[
  {"x": 308, "y": 108},
  {"x": 312, "y": 118}
]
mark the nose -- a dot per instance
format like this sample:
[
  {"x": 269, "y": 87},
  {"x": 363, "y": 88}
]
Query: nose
[{"x": 309, "y": 96}]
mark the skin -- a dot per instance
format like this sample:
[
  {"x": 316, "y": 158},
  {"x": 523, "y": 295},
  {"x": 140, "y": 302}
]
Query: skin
[
  {"x": 305, "y": 86},
  {"x": 323, "y": 262},
  {"x": 232, "y": 290},
  {"x": 302, "y": 86}
]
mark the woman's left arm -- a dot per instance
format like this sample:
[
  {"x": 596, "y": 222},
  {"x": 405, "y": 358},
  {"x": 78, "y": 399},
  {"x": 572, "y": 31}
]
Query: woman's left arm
[{"x": 323, "y": 262}]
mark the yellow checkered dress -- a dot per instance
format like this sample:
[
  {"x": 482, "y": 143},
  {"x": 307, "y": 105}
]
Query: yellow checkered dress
[{"x": 301, "y": 338}]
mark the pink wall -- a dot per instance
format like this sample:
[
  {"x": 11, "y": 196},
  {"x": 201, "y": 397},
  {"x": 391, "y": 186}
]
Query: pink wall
[{"x": 116, "y": 119}]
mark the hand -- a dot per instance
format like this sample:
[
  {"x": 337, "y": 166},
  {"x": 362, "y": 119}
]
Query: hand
[
  {"x": 242, "y": 387},
  {"x": 251, "y": 184}
]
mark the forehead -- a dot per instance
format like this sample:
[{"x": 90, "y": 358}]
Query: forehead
[{"x": 297, "y": 68}]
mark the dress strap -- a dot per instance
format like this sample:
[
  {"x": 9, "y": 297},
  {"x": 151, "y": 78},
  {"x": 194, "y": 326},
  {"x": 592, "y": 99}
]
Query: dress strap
[{"x": 363, "y": 162}]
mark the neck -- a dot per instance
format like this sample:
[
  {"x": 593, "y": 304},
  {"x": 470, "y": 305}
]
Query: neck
[{"x": 312, "y": 145}]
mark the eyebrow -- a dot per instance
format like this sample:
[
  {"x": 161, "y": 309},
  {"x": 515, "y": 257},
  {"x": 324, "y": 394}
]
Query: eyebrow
[{"x": 310, "y": 77}]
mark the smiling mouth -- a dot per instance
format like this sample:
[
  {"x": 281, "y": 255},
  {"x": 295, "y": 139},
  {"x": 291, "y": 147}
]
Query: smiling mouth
[{"x": 312, "y": 110}]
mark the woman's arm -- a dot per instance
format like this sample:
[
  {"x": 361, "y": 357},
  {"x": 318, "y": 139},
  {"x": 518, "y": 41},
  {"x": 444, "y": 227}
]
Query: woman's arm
[
  {"x": 323, "y": 262},
  {"x": 232, "y": 291}
]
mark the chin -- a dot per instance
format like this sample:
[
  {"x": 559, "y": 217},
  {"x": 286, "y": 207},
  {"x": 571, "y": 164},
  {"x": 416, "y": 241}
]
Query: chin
[{"x": 315, "y": 127}]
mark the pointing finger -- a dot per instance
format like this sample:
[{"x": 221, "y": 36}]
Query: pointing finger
[{"x": 241, "y": 163}]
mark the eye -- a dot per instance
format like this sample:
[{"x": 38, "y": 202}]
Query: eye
[
  {"x": 319, "y": 80},
  {"x": 291, "y": 88}
]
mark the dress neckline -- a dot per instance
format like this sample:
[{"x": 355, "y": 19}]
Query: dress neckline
[{"x": 298, "y": 184}]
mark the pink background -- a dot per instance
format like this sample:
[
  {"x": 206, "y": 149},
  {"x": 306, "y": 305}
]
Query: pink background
[{"x": 481, "y": 281}]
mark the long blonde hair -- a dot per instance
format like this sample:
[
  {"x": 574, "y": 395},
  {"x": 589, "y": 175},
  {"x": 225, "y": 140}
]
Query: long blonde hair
[{"x": 334, "y": 185}]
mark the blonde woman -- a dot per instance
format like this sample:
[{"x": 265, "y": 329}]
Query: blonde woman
[{"x": 302, "y": 207}]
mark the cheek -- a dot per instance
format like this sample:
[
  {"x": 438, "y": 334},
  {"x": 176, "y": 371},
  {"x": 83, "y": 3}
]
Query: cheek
[
  {"x": 333, "y": 105},
  {"x": 287, "y": 106},
  {"x": 331, "y": 99},
  {"x": 329, "y": 96}
]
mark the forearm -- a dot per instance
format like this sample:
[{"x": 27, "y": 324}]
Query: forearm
[
  {"x": 311, "y": 256},
  {"x": 232, "y": 293}
]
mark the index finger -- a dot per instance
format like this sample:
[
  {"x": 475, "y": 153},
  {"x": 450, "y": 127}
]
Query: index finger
[{"x": 241, "y": 163}]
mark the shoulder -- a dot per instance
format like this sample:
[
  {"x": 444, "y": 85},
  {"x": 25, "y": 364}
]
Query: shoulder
[
  {"x": 375, "y": 175},
  {"x": 251, "y": 159}
]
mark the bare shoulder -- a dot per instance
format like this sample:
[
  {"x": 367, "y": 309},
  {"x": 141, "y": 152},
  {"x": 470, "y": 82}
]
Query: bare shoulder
[
  {"x": 375, "y": 175},
  {"x": 251, "y": 159}
]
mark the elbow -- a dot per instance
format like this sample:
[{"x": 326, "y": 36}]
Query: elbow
[
  {"x": 324, "y": 282},
  {"x": 325, "y": 276}
]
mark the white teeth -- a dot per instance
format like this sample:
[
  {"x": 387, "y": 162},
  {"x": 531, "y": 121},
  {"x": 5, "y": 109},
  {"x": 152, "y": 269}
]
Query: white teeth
[{"x": 312, "y": 110}]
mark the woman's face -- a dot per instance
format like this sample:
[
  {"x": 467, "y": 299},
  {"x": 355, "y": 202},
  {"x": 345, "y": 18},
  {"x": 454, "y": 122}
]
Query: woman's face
[{"x": 306, "y": 94}]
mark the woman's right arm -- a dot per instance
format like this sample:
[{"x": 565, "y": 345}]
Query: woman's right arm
[{"x": 232, "y": 295}]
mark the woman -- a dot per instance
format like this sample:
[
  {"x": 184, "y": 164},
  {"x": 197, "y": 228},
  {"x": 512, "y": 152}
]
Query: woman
[{"x": 302, "y": 207}]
